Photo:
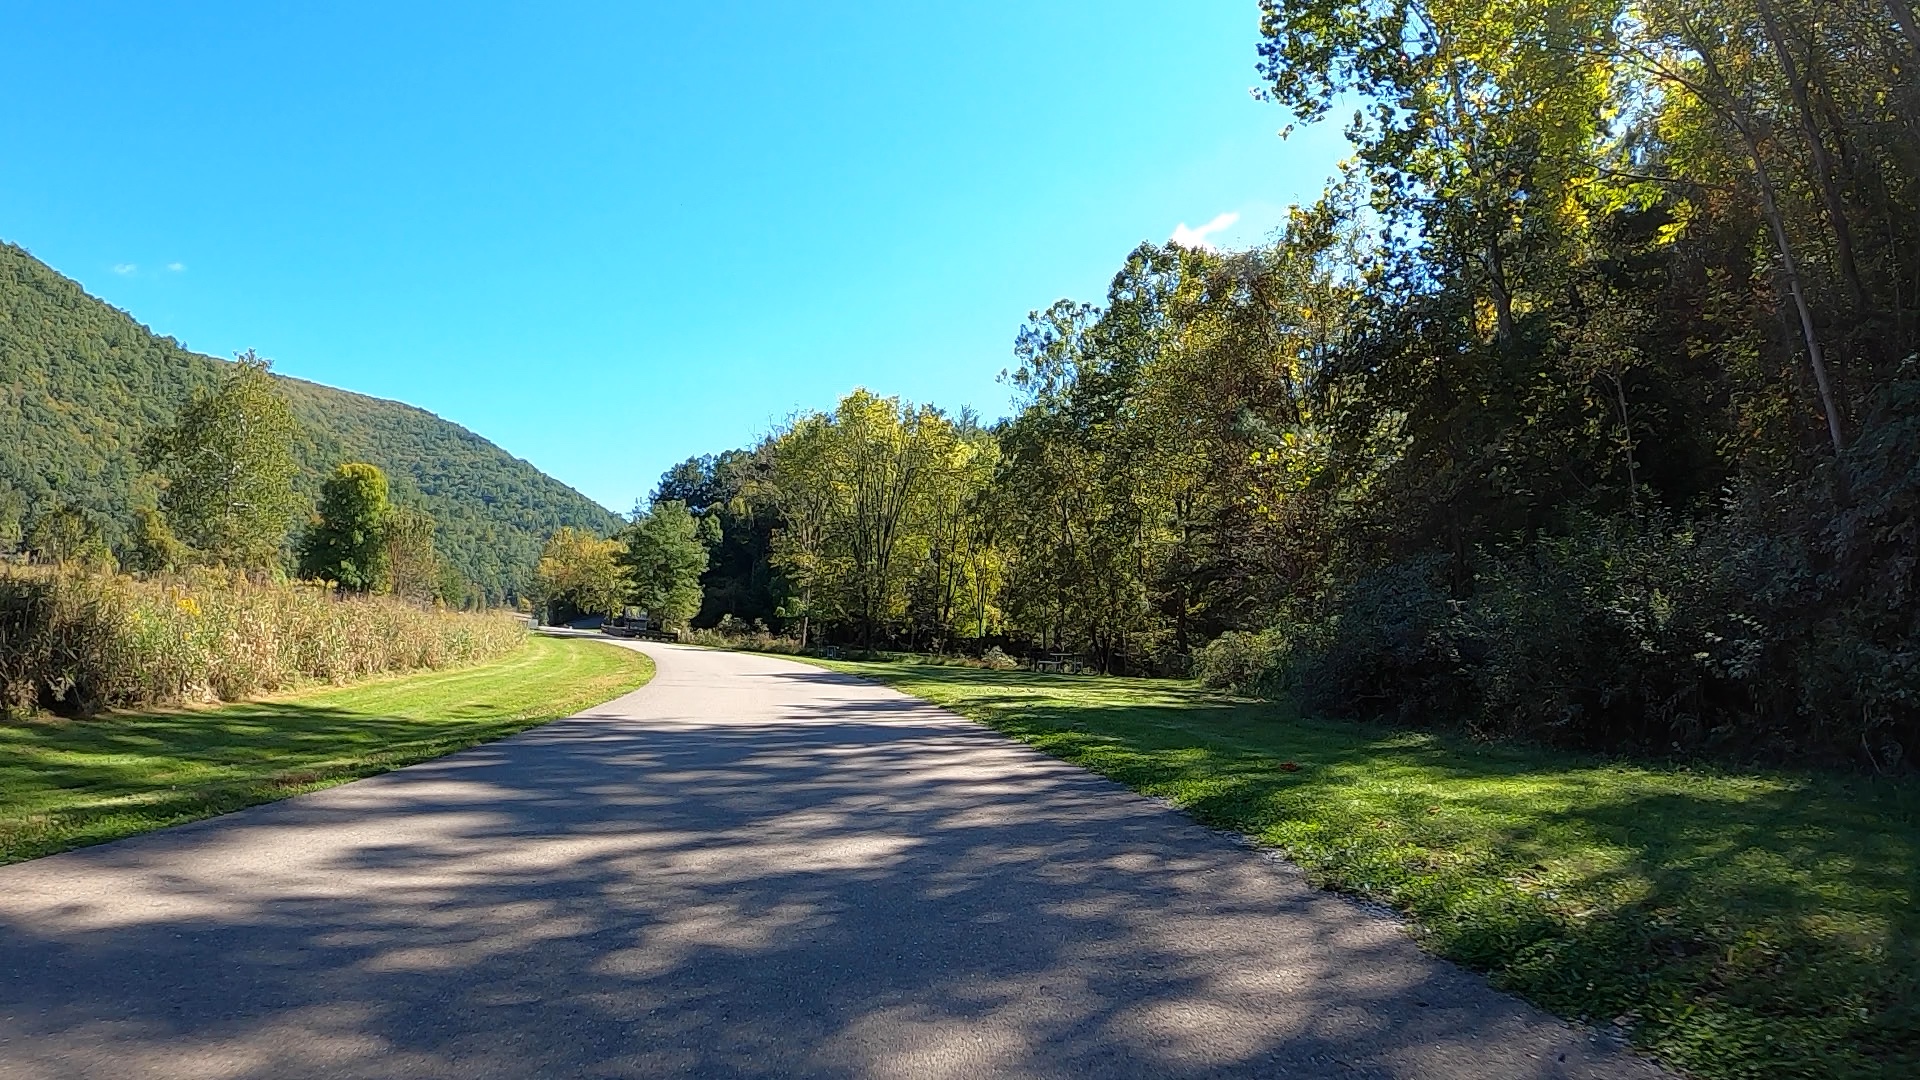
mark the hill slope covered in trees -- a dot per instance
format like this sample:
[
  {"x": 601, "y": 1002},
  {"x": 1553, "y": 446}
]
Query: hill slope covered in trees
[{"x": 82, "y": 383}]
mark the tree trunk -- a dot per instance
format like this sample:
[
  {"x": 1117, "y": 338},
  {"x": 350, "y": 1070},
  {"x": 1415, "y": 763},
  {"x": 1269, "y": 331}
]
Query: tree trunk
[
  {"x": 1822, "y": 163},
  {"x": 1816, "y": 356},
  {"x": 1502, "y": 298},
  {"x": 1903, "y": 14},
  {"x": 1626, "y": 441},
  {"x": 1789, "y": 266}
]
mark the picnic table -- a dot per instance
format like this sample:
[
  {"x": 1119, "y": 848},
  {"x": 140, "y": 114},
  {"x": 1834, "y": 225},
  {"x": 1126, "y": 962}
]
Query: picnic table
[{"x": 1064, "y": 663}]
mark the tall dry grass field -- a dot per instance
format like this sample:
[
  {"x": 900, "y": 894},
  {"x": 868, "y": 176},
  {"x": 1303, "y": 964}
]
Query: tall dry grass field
[{"x": 77, "y": 641}]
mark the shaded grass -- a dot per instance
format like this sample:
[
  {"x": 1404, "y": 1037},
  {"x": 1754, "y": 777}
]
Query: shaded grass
[
  {"x": 70, "y": 783},
  {"x": 1739, "y": 924}
]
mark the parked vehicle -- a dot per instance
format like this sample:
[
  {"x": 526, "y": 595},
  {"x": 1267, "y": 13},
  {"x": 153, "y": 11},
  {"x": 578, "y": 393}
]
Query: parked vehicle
[{"x": 634, "y": 623}]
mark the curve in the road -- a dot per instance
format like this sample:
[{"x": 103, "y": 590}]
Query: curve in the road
[{"x": 749, "y": 867}]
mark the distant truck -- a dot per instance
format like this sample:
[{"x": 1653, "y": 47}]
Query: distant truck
[{"x": 634, "y": 623}]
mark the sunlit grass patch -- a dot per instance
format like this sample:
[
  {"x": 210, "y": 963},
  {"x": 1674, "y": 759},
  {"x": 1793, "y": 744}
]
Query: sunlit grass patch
[
  {"x": 1739, "y": 924},
  {"x": 68, "y": 783}
]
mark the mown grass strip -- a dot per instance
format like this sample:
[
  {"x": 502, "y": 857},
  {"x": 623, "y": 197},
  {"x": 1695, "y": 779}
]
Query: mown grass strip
[
  {"x": 70, "y": 783},
  {"x": 1739, "y": 924}
]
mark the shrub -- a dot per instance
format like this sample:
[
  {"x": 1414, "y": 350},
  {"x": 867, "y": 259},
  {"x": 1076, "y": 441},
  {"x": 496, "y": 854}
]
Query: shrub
[
  {"x": 745, "y": 637},
  {"x": 996, "y": 659},
  {"x": 1257, "y": 664},
  {"x": 1640, "y": 637},
  {"x": 1393, "y": 646},
  {"x": 1858, "y": 674},
  {"x": 1651, "y": 636},
  {"x": 78, "y": 641}
]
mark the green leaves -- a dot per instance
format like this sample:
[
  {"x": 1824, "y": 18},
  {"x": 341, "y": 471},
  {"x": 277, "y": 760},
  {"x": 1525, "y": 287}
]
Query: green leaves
[
  {"x": 580, "y": 574},
  {"x": 345, "y": 544},
  {"x": 882, "y": 528},
  {"x": 228, "y": 466},
  {"x": 83, "y": 386},
  {"x": 663, "y": 554}
]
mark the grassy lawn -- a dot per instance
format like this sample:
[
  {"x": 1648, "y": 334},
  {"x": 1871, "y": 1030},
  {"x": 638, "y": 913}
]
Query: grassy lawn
[
  {"x": 1742, "y": 925},
  {"x": 69, "y": 783}
]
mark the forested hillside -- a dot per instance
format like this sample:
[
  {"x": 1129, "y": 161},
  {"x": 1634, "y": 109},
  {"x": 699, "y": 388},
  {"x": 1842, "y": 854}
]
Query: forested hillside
[
  {"x": 1583, "y": 406},
  {"x": 81, "y": 384}
]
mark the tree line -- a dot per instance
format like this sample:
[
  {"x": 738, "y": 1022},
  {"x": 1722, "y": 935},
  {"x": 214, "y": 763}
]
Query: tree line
[
  {"x": 653, "y": 566},
  {"x": 1582, "y": 404}
]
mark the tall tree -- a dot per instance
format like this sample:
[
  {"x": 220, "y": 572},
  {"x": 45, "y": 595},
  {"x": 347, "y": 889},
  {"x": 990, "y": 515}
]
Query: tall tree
[
  {"x": 580, "y": 574},
  {"x": 882, "y": 448},
  {"x": 228, "y": 466},
  {"x": 725, "y": 492},
  {"x": 414, "y": 569},
  {"x": 346, "y": 542},
  {"x": 799, "y": 485},
  {"x": 663, "y": 556}
]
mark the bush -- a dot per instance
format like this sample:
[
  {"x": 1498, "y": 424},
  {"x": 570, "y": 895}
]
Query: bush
[
  {"x": 1255, "y": 664},
  {"x": 1648, "y": 636},
  {"x": 732, "y": 633},
  {"x": 1645, "y": 638},
  {"x": 78, "y": 641},
  {"x": 996, "y": 659},
  {"x": 1393, "y": 646},
  {"x": 1858, "y": 673}
]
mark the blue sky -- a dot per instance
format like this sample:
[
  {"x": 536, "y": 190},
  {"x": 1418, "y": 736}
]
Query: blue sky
[{"x": 611, "y": 235}]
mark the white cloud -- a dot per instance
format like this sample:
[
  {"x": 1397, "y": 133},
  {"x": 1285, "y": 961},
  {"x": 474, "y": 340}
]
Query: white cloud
[
  {"x": 1197, "y": 238},
  {"x": 176, "y": 267},
  {"x": 124, "y": 268}
]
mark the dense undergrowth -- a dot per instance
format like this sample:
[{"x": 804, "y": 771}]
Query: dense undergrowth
[
  {"x": 1652, "y": 638},
  {"x": 76, "y": 641},
  {"x": 731, "y": 634}
]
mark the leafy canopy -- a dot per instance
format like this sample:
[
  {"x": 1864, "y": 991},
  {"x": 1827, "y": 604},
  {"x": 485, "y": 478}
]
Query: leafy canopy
[
  {"x": 580, "y": 574},
  {"x": 228, "y": 467},
  {"x": 346, "y": 542},
  {"x": 663, "y": 555}
]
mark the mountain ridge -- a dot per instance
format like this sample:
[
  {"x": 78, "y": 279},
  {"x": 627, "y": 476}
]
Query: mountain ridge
[{"x": 82, "y": 382}]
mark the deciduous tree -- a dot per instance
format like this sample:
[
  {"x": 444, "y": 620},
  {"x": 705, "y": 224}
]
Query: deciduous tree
[
  {"x": 228, "y": 466},
  {"x": 154, "y": 547},
  {"x": 663, "y": 555},
  {"x": 346, "y": 543},
  {"x": 580, "y": 573},
  {"x": 414, "y": 568}
]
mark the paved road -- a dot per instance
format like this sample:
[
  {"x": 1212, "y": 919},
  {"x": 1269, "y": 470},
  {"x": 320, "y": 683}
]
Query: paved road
[{"x": 747, "y": 868}]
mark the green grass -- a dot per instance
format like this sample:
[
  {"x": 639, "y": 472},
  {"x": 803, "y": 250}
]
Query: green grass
[
  {"x": 69, "y": 783},
  {"x": 1740, "y": 924}
]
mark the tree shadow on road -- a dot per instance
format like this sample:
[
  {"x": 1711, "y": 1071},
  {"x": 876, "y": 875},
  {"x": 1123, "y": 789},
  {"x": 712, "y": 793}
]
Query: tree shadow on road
[{"x": 864, "y": 887}]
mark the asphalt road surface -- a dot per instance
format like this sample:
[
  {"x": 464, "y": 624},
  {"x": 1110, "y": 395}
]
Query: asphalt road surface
[{"x": 747, "y": 868}]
